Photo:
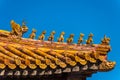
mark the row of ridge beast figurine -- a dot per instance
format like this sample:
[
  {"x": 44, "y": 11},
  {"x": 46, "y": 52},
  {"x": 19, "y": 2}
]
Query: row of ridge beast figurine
[{"x": 18, "y": 32}]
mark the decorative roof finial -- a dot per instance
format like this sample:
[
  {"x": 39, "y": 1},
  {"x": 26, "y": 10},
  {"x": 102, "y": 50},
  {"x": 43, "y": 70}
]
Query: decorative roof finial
[
  {"x": 32, "y": 35},
  {"x": 16, "y": 29},
  {"x": 105, "y": 40},
  {"x": 89, "y": 40},
  {"x": 24, "y": 27},
  {"x": 61, "y": 38},
  {"x": 80, "y": 40},
  {"x": 51, "y": 37},
  {"x": 70, "y": 39},
  {"x": 42, "y": 36}
]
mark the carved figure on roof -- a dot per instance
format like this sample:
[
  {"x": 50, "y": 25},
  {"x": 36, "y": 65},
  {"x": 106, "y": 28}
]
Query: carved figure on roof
[
  {"x": 89, "y": 40},
  {"x": 61, "y": 38},
  {"x": 105, "y": 40},
  {"x": 104, "y": 66},
  {"x": 17, "y": 30},
  {"x": 51, "y": 37},
  {"x": 70, "y": 39},
  {"x": 24, "y": 27},
  {"x": 80, "y": 40},
  {"x": 32, "y": 35},
  {"x": 42, "y": 36}
]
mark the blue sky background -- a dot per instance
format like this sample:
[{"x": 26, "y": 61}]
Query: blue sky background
[{"x": 72, "y": 16}]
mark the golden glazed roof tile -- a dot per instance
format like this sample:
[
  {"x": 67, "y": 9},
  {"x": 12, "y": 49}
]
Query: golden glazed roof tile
[
  {"x": 38, "y": 54},
  {"x": 24, "y": 56}
]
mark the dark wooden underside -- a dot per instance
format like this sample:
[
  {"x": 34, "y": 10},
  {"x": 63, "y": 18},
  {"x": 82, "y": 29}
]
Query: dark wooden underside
[
  {"x": 63, "y": 76},
  {"x": 75, "y": 73}
]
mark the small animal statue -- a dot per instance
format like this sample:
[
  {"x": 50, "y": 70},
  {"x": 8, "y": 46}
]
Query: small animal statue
[
  {"x": 89, "y": 40},
  {"x": 42, "y": 36},
  {"x": 17, "y": 30},
  {"x": 105, "y": 40},
  {"x": 70, "y": 39},
  {"x": 32, "y": 35},
  {"x": 80, "y": 40},
  {"x": 24, "y": 27},
  {"x": 51, "y": 37},
  {"x": 106, "y": 65},
  {"x": 61, "y": 38}
]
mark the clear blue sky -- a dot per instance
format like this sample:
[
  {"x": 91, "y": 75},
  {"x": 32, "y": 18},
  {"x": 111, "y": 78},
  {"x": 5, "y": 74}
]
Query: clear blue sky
[{"x": 72, "y": 16}]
